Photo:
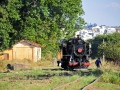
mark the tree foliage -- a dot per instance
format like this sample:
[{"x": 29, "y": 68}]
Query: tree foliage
[
  {"x": 98, "y": 40},
  {"x": 111, "y": 46},
  {"x": 108, "y": 44},
  {"x": 41, "y": 21}
]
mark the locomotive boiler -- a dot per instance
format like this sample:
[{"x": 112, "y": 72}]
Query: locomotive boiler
[{"x": 74, "y": 53}]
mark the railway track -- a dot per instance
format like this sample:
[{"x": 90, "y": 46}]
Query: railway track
[
  {"x": 51, "y": 72},
  {"x": 84, "y": 72},
  {"x": 94, "y": 81},
  {"x": 65, "y": 85}
]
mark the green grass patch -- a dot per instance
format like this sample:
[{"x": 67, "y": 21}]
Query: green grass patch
[
  {"x": 48, "y": 78},
  {"x": 84, "y": 80},
  {"x": 111, "y": 77},
  {"x": 106, "y": 86},
  {"x": 43, "y": 79}
]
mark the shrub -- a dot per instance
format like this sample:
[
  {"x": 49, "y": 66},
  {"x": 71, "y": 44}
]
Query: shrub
[{"x": 111, "y": 77}]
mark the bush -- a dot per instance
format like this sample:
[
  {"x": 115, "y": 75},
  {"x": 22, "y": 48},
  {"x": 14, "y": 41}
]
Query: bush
[{"x": 111, "y": 77}]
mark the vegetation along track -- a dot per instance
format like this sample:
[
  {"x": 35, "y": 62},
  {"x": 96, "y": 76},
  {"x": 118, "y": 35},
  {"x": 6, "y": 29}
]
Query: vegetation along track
[
  {"x": 81, "y": 72},
  {"x": 48, "y": 73},
  {"x": 85, "y": 88}
]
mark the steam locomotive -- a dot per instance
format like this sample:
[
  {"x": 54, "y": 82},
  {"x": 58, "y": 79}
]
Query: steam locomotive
[{"x": 74, "y": 53}]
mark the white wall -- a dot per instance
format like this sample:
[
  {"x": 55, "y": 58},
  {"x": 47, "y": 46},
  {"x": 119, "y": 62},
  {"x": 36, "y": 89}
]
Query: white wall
[
  {"x": 35, "y": 54},
  {"x": 38, "y": 54}
]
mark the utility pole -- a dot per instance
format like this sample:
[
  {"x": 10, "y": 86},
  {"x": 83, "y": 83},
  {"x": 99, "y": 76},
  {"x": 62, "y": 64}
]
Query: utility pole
[{"x": 103, "y": 52}]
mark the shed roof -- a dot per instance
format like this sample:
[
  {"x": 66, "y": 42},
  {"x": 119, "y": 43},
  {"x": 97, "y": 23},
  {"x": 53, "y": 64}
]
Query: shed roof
[{"x": 28, "y": 42}]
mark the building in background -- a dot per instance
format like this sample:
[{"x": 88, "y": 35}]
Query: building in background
[
  {"x": 93, "y": 30},
  {"x": 23, "y": 50}
]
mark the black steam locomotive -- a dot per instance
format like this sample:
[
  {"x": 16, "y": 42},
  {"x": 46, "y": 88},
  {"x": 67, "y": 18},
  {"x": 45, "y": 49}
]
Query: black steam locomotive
[{"x": 73, "y": 53}]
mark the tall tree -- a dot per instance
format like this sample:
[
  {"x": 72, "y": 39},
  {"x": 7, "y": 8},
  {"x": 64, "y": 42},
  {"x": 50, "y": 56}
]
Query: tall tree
[
  {"x": 111, "y": 46},
  {"x": 42, "y": 21}
]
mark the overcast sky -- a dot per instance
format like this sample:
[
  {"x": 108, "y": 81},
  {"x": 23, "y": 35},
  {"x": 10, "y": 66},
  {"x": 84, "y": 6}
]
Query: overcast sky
[{"x": 102, "y": 12}]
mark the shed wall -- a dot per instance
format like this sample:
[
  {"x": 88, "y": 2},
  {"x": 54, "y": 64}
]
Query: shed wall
[
  {"x": 21, "y": 51},
  {"x": 3, "y": 56}
]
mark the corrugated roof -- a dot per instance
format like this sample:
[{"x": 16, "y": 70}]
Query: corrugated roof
[{"x": 29, "y": 42}]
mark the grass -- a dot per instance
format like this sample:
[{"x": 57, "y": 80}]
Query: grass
[
  {"x": 110, "y": 79},
  {"x": 32, "y": 83},
  {"x": 106, "y": 86},
  {"x": 111, "y": 74},
  {"x": 32, "y": 79},
  {"x": 33, "y": 65},
  {"x": 85, "y": 80}
]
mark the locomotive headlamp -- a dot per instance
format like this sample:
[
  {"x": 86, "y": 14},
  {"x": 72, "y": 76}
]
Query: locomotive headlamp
[{"x": 79, "y": 50}]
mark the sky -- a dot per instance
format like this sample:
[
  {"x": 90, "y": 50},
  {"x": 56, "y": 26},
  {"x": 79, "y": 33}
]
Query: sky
[{"x": 102, "y": 12}]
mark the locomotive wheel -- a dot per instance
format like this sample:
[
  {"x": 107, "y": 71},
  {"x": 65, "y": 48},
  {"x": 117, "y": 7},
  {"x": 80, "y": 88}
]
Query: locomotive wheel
[{"x": 64, "y": 65}]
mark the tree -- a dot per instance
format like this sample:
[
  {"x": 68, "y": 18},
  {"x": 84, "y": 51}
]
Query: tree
[
  {"x": 6, "y": 28},
  {"x": 111, "y": 47},
  {"x": 40, "y": 21}
]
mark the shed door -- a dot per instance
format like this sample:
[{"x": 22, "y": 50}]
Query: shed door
[{"x": 6, "y": 56}]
